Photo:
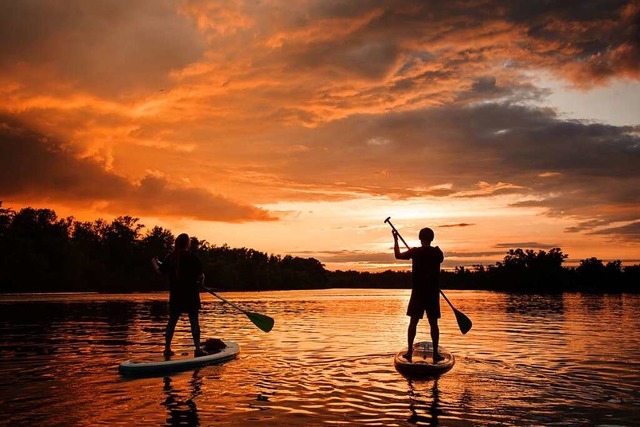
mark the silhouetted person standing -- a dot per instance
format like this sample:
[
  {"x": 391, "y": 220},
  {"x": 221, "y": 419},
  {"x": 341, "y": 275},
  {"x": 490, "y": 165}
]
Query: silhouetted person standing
[
  {"x": 425, "y": 292},
  {"x": 185, "y": 277}
]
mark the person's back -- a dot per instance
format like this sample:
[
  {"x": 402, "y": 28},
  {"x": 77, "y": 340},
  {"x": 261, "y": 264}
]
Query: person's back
[
  {"x": 425, "y": 293},
  {"x": 184, "y": 270},
  {"x": 185, "y": 278},
  {"x": 426, "y": 262}
]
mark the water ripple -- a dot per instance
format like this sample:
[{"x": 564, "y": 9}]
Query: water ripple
[{"x": 529, "y": 360}]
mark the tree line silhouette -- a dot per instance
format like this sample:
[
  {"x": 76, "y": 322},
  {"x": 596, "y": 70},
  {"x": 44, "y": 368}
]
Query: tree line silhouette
[{"x": 40, "y": 252}]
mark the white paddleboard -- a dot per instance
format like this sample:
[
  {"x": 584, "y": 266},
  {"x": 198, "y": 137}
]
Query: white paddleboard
[
  {"x": 421, "y": 363},
  {"x": 160, "y": 365}
]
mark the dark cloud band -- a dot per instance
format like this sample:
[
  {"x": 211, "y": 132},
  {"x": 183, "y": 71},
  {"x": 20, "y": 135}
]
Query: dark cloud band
[{"x": 36, "y": 167}]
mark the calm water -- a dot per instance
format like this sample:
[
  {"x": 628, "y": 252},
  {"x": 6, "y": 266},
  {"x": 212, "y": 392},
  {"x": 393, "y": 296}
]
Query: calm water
[{"x": 529, "y": 360}]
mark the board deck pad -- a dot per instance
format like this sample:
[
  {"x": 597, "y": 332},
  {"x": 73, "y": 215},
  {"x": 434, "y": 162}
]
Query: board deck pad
[
  {"x": 421, "y": 363},
  {"x": 154, "y": 365}
]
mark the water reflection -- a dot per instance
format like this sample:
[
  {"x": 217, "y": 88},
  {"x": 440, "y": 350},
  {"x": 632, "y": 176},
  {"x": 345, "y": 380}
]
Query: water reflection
[
  {"x": 424, "y": 401},
  {"x": 535, "y": 305},
  {"x": 529, "y": 360},
  {"x": 180, "y": 401},
  {"x": 598, "y": 302}
]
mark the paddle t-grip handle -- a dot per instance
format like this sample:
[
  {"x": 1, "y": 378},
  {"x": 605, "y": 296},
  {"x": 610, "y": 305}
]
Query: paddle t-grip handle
[{"x": 388, "y": 221}]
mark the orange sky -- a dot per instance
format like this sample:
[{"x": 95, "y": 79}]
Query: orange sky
[{"x": 297, "y": 128}]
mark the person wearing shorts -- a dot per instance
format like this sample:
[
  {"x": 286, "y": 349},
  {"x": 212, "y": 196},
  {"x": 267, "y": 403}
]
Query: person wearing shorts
[{"x": 425, "y": 292}]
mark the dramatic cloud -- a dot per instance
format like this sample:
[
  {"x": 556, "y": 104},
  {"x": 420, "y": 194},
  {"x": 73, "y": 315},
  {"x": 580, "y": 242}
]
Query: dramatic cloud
[
  {"x": 595, "y": 166},
  {"x": 328, "y": 60},
  {"x": 38, "y": 168},
  {"x": 210, "y": 108},
  {"x": 110, "y": 48}
]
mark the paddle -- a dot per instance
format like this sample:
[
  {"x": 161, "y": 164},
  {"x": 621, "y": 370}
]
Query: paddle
[
  {"x": 262, "y": 321},
  {"x": 464, "y": 323}
]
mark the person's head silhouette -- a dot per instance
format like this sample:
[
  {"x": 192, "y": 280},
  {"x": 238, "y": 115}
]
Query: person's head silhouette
[
  {"x": 426, "y": 236},
  {"x": 182, "y": 242}
]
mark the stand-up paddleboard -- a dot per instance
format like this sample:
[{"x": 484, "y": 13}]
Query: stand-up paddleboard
[
  {"x": 421, "y": 363},
  {"x": 160, "y": 365}
]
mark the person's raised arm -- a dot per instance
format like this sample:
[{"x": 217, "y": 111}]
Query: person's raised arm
[{"x": 396, "y": 248}]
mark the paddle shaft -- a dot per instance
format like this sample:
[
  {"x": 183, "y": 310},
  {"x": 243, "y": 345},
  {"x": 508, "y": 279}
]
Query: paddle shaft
[
  {"x": 227, "y": 301},
  {"x": 397, "y": 232},
  {"x": 265, "y": 323}
]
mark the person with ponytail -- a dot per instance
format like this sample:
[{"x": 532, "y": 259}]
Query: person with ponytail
[{"x": 185, "y": 278}]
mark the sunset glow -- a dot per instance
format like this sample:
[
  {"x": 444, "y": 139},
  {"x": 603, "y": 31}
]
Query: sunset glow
[{"x": 297, "y": 128}]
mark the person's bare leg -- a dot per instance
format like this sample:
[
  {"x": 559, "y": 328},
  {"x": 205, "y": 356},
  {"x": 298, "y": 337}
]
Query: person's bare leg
[
  {"x": 411, "y": 335},
  {"x": 168, "y": 335},
  {"x": 195, "y": 332},
  {"x": 435, "y": 338}
]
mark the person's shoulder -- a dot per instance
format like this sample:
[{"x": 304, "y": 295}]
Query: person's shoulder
[
  {"x": 416, "y": 250},
  {"x": 419, "y": 252}
]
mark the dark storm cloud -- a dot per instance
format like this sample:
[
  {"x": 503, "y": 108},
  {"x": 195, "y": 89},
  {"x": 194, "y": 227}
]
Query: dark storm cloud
[
  {"x": 104, "y": 46},
  {"x": 36, "y": 167}
]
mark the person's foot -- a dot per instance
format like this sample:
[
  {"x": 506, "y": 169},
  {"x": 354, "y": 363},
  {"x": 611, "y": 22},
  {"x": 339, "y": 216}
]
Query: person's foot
[
  {"x": 408, "y": 355},
  {"x": 199, "y": 352},
  {"x": 437, "y": 358}
]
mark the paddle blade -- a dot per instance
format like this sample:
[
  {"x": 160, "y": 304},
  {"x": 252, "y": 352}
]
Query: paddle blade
[
  {"x": 263, "y": 322},
  {"x": 464, "y": 323}
]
